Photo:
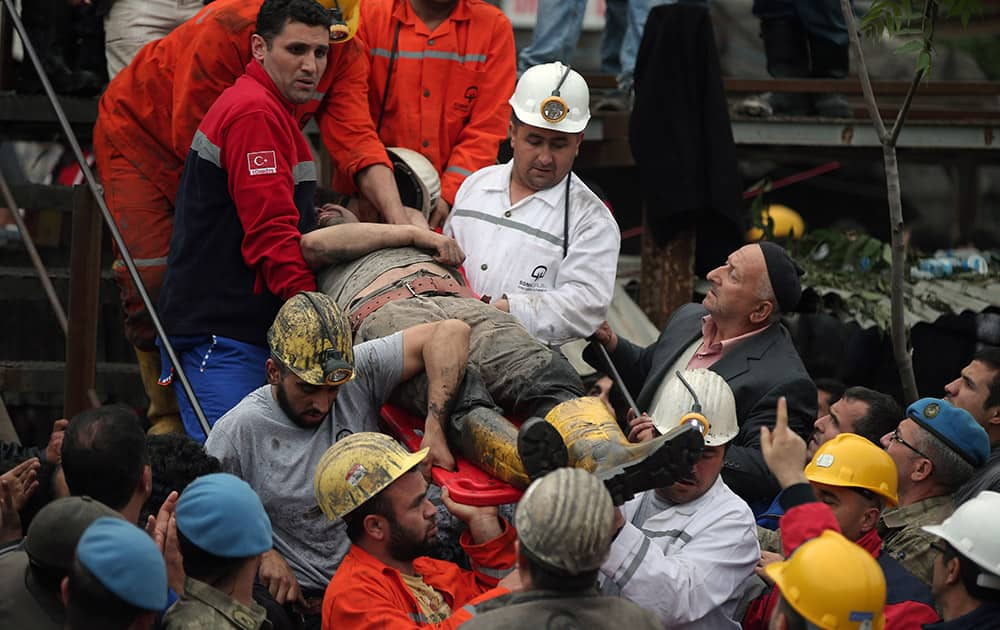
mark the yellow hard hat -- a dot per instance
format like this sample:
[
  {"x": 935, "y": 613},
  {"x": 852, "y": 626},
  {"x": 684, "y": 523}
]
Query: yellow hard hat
[
  {"x": 851, "y": 461},
  {"x": 312, "y": 337},
  {"x": 345, "y": 19},
  {"x": 833, "y": 583},
  {"x": 787, "y": 223},
  {"x": 357, "y": 468}
]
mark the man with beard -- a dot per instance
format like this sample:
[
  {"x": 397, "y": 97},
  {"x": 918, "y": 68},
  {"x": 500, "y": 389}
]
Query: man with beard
[
  {"x": 319, "y": 389},
  {"x": 373, "y": 484},
  {"x": 685, "y": 550}
]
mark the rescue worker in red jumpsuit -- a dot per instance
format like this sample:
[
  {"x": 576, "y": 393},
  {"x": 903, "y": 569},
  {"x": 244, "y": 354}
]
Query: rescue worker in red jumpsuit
[
  {"x": 147, "y": 119},
  {"x": 441, "y": 74}
]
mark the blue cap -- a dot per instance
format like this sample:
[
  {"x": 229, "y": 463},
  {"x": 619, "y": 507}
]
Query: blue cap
[
  {"x": 221, "y": 514},
  {"x": 954, "y": 426},
  {"x": 126, "y": 561}
]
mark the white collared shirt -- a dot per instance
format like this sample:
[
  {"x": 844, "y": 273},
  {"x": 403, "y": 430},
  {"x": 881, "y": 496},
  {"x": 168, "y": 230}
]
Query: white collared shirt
[
  {"x": 517, "y": 250},
  {"x": 688, "y": 563}
]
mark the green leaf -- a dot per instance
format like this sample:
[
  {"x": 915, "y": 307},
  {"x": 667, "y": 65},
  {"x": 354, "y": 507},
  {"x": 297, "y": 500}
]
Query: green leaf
[
  {"x": 924, "y": 61},
  {"x": 910, "y": 47}
]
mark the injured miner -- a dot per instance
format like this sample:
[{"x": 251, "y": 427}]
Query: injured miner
[{"x": 387, "y": 278}]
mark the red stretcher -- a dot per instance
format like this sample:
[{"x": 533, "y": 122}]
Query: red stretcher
[{"x": 468, "y": 483}]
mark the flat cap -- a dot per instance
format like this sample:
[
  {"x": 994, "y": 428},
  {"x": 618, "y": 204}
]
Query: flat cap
[{"x": 56, "y": 529}]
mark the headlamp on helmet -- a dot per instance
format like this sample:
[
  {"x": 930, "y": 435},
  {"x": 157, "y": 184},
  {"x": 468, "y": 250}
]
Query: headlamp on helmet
[
  {"x": 336, "y": 371},
  {"x": 343, "y": 16},
  {"x": 338, "y": 26},
  {"x": 554, "y": 108}
]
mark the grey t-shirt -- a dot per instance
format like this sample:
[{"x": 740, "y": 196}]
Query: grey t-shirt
[{"x": 257, "y": 442}]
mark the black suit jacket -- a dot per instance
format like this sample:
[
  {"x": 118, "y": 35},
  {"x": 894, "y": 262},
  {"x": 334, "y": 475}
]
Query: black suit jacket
[{"x": 759, "y": 370}]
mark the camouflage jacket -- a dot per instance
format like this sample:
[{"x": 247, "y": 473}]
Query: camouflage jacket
[
  {"x": 203, "y": 607},
  {"x": 906, "y": 542}
]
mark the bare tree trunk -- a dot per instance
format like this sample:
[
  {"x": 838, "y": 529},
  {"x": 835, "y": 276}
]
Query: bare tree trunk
[{"x": 900, "y": 349}]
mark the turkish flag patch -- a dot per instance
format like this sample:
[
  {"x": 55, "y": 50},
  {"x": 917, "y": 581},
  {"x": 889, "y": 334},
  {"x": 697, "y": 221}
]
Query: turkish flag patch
[{"x": 262, "y": 163}]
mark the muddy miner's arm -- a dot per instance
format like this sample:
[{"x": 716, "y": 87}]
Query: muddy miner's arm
[
  {"x": 334, "y": 244},
  {"x": 441, "y": 350}
]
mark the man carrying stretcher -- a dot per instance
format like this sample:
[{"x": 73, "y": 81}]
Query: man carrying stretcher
[{"x": 387, "y": 278}]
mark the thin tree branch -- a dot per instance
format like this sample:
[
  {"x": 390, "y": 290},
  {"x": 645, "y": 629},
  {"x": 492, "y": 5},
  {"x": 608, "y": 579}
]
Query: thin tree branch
[
  {"x": 904, "y": 109},
  {"x": 928, "y": 21},
  {"x": 863, "y": 76},
  {"x": 897, "y": 329}
]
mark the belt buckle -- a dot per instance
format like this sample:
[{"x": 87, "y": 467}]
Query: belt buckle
[{"x": 409, "y": 288}]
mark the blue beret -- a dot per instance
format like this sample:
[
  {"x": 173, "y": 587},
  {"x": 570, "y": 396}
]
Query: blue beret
[
  {"x": 954, "y": 426},
  {"x": 221, "y": 514},
  {"x": 126, "y": 561}
]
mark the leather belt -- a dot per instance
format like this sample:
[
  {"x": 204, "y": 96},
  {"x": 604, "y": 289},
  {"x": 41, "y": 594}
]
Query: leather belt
[{"x": 405, "y": 289}]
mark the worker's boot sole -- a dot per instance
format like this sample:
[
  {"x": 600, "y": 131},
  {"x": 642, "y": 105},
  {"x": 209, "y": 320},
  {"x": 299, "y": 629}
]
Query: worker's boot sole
[
  {"x": 670, "y": 460},
  {"x": 541, "y": 448}
]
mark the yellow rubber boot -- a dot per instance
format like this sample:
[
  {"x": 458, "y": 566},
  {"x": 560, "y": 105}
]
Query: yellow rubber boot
[
  {"x": 490, "y": 441},
  {"x": 595, "y": 442},
  {"x": 162, "y": 413}
]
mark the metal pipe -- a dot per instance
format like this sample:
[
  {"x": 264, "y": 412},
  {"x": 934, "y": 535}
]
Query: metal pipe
[
  {"x": 43, "y": 273},
  {"x": 36, "y": 260},
  {"x": 88, "y": 174},
  {"x": 615, "y": 376}
]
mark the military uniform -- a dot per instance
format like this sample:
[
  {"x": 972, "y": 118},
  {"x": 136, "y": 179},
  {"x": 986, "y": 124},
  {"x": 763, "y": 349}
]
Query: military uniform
[
  {"x": 904, "y": 539},
  {"x": 202, "y": 606},
  {"x": 549, "y": 609}
]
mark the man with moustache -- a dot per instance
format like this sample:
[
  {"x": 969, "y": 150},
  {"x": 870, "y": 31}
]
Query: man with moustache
[
  {"x": 371, "y": 483},
  {"x": 321, "y": 388},
  {"x": 685, "y": 550},
  {"x": 538, "y": 241}
]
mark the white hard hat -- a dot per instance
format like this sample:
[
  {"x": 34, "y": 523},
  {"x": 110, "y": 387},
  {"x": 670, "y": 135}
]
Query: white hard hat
[
  {"x": 717, "y": 405},
  {"x": 418, "y": 182},
  {"x": 552, "y": 96},
  {"x": 968, "y": 530}
]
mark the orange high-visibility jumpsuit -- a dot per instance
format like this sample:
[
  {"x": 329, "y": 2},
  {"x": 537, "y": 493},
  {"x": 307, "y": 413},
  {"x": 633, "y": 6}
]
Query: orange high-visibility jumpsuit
[
  {"x": 367, "y": 594},
  {"x": 448, "y": 92}
]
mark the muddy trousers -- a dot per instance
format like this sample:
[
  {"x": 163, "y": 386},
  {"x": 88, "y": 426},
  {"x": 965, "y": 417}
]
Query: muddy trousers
[{"x": 508, "y": 370}]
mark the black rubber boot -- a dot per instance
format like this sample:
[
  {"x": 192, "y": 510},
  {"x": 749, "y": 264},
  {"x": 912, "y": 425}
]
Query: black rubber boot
[
  {"x": 654, "y": 464},
  {"x": 787, "y": 53},
  {"x": 672, "y": 458},
  {"x": 541, "y": 448},
  {"x": 830, "y": 61}
]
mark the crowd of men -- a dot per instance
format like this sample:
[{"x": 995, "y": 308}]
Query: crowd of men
[{"x": 273, "y": 497}]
